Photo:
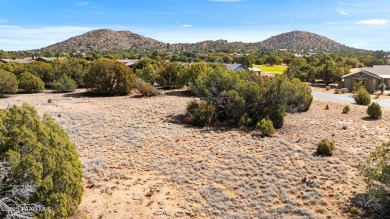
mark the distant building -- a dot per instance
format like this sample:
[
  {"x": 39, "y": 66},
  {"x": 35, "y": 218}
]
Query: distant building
[
  {"x": 129, "y": 62},
  {"x": 24, "y": 61},
  {"x": 257, "y": 70},
  {"x": 371, "y": 77},
  {"x": 235, "y": 67}
]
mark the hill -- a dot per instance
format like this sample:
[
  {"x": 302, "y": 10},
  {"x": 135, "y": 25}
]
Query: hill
[
  {"x": 300, "y": 40},
  {"x": 105, "y": 39}
]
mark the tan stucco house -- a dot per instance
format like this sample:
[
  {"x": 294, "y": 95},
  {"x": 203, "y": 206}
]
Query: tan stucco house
[{"x": 371, "y": 77}]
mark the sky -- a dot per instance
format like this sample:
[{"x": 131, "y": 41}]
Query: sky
[{"x": 27, "y": 24}]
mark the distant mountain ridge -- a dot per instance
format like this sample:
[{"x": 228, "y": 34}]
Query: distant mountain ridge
[
  {"x": 105, "y": 39},
  {"x": 110, "y": 40}
]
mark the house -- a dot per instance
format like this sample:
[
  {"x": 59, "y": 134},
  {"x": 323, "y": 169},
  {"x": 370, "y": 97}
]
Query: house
[
  {"x": 129, "y": 62},
  {"x": 256, "y": 70},
  {"x": 47, "y": 59},
  {"x": 235, "y": 67},
  {"x": 371, "y": 77},
  {"x": 24, "y": 61}
]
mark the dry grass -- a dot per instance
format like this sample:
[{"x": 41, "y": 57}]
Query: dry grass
[{"x": 141, "y": 164}]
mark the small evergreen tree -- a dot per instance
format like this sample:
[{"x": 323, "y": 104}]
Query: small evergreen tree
[
  {"x": 8, "y": 83},
  {"x": 30, "y": 83},
  {"x": 362, "y": 97},
  {"x": 38, "y": 152}
]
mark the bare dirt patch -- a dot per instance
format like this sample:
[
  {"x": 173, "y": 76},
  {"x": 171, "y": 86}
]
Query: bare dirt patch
[{"x": 140, "y": 162}]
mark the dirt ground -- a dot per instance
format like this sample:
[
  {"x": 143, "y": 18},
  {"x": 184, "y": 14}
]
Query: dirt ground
[{"x": 140, "y": 161}]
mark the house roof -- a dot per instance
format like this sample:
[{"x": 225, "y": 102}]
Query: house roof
[
  {"x": 25, "y": 60},
  {"x": 380, "y": 69},
  {"x": 233, "y": 66},
  {"x": 362, "y": 71},
  {"x": 48, "y": 59},
  {"x": 255, "y": 69},
  {"x": 128, "y": 62}
]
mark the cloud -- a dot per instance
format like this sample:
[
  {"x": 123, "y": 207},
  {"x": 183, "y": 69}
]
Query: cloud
[
  {"x": 225, "y": 0},
  {"x": 374, "y": 22},
  {"x": 24, "y": 38},
  {"x": 186, "y": 25},
  {"x": 344, "y": 13},
  {"x": 82, "y": 4}
]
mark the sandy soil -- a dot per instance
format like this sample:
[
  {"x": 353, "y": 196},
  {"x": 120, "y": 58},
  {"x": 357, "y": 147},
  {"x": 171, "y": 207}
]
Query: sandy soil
[{"x": 141, "y": 162}]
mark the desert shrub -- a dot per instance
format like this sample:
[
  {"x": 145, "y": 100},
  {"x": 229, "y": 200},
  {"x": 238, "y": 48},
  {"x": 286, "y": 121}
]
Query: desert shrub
[
  {"x": 49, "y": 100},
  {"x": 147, "y": 73},
  {"x": 344, "y": 90},
  {"x": 147, "y": 89},
  {"x": 376, "y": 172},
  {"x": 374, "y": 111},
  {"x": 327, "y": 88},
  {"x": 245, "y": 120},
  {"x": 382, "y": 87},
  {"x": 8, "y": 83},
  {"x": 298, "y": 95},
  {"x": 362, "y": 97},
  {"x": 357, "y": 86},
  {"x": 30, "y": 83},
  {"x": 229, "y": 107},
  {"x": 346, "y": 109},
  {"x": 325, "y": 147},
  {"x": 13, "y": 197},
  {"x": 109, "y": 77},
  {"x": 200, "y": 114},
  {"x": 327, "y": 107},
  {"x": 276, "y": 115},
  {"x": 266, "y": 127},
  {"x": 38, "y": 152},
  {"x": 64, "y": 84},
  {"x": 171, "y": 76},
  {"x": 235, "y": 94},
  {"x": 337, "y": 91}
]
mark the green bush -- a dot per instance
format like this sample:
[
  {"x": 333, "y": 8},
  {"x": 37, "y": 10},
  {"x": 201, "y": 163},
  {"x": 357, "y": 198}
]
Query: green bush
[
  {"x": 276, "y": 115},
  {"x": 147, "y": 73},
  {"x": 382, "y": 87},
  {"x": 374, "y": 111},
  {"x": 230, "y": 107},
  {"x": 30, "y": 83},
  {"x": 362, "y": 97},
  {"x": 245, "y": 120},
  {"x": 200, "y": 114},
  {"x": 109, "y": 77},
  {"x": 147, "y": 89},
  {"x": 171, "y": 76},
  {"x": 266, "y": 127},
  {"x": 64, "y": 84},
  {"x": 346, "y": 109},
  {"x": 325, "y": 147},
  {"x": 298, "y": 95},
  {"x": 327, "y": 107},
  {"x": 376, "y": 172},
  {"x": 8, "y": 83},
  {"x": 39, "y": 152},
  {"x": 357, "y": 86}
]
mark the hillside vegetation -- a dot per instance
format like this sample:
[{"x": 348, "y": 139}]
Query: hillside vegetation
[{"x": 105, "y": 39}]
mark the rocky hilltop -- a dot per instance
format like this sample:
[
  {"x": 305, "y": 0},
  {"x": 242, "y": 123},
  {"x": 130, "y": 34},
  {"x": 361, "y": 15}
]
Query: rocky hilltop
[
  {"x": 110, "y": 40},
  {"x": 300, "y": 40},
  {"x": 105, "y": 39}
]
